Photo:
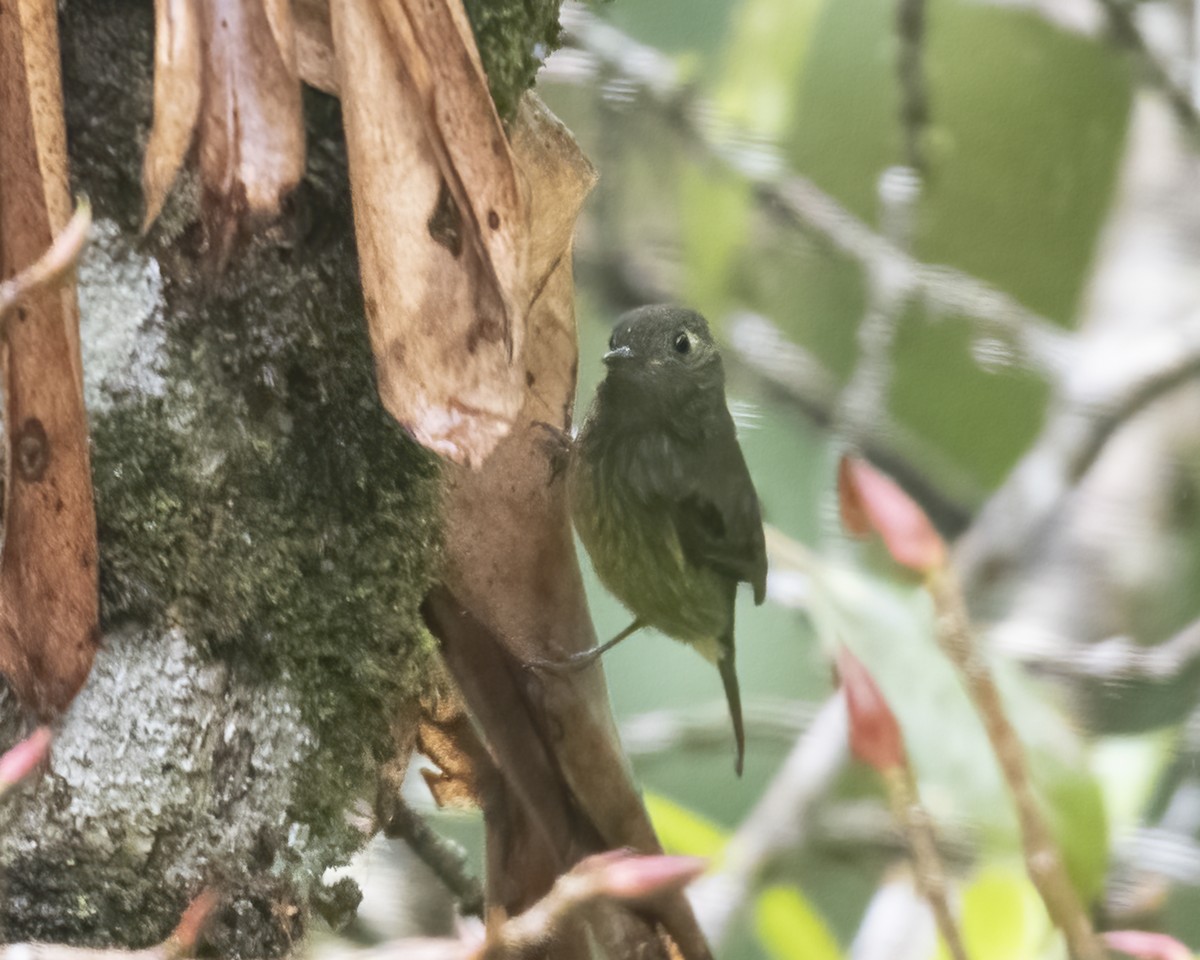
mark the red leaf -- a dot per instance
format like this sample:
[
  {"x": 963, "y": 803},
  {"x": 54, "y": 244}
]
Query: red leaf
[
  {"x": 1148, "y": 946},
  {"x": 191, "y": 924},
  {"x": 21, "y": 760},
  {"x": 871, "y": 502},
  {"x": 875, "y": 736}
]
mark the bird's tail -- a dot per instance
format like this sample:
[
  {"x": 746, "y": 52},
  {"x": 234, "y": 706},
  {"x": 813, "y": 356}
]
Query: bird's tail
[{"x": 733, "y": 694}]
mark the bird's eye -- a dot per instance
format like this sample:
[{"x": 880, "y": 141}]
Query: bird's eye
[
  {"x": 683, "y": 343},
  {"x": 612, "y": 341}
]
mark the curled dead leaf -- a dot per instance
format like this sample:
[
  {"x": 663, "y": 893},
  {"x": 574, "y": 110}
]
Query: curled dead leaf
[
  {"x": 48, "y": 578},
  {"x": 441, "y": 219},
  {"x": 251, "y": 124},
  {"x": 177, "y": 85}
]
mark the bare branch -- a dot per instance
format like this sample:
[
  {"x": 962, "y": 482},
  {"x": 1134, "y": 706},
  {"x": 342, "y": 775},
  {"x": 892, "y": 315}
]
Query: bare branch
[
  {"x": 1126, "y": 32},
  {"x": 929, "y": 869},
  {"x": 1117, "y": 659},
  {"x": 914, "y": 101},
  {"x": 1037, "y": 342},
  {"x": 1095, "y": 400},
  {"x": 1043, "y": 860},
  {"x": 446, "y": 859}
]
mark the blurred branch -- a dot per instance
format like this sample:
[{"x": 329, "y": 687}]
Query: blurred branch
[
  {"x": 795, "y": 199},
  {"x": 1105, "y": 388},
  {"x": 914, "y": 101},
  {"x": 876, "y": 740},
  {"x": 1115, "y": 659},
  {"x": 1043, "y": 860},
  {"x": 866, "y": 392},
  {"x": 928, "y": 867},
  {"x": 777, "y": 824},
  {"x": 1125, "y": 31},
  {"x": 446, "y": 859}
]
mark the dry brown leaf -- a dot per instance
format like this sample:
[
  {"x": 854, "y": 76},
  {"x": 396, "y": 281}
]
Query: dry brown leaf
[
  {"x": 48, "y": 579},
  {"x": 441, "y": 221},
  {"x": 512, "y": 581},
  {"x": 177, "y": 80},
  {"x": 251, "y": 124},
  {"x": 315, "y": 58}
]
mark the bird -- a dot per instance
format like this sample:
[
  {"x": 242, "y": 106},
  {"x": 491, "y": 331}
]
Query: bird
[{"x": 660, "y": 493}]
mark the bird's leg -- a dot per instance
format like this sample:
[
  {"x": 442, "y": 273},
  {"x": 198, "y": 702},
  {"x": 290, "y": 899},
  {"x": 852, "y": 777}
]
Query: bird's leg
[
  {"x": 577, "y": 661},
  {"x": 557, "y": 444}
]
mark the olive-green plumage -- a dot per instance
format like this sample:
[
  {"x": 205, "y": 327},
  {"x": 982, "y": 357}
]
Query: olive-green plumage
[{"x": 660, "y": 492}]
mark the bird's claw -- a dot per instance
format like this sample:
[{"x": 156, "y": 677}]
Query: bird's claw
[{"x": 557, "y": 445}]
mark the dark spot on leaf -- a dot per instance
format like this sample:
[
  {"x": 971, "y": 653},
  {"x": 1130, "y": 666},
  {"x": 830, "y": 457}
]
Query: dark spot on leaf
[
  {"x": 530, "y": 379},
  {"x": 493, "y": 220},
  {"x": 445, "y": 224},
  {"x": 22, "y": 314},
  {"x": 58, "y": 505},
  {"x": 32, "y": 450}
]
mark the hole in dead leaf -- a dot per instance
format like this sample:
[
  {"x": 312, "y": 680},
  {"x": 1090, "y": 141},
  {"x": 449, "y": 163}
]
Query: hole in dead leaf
[
  {"x": 32, "y": 450},
  {"x": 493, "y": 220},
  {"x": 445, "y": 226}
]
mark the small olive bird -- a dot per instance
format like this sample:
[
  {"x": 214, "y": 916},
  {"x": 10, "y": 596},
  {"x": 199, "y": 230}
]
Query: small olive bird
[{"x": 660, "y": 492}]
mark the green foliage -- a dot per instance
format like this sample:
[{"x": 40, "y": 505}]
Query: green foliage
[
  {"x": 890, "y": 628},
  {"x": 790, "y": 929},
  {"x": 684, "y": 831},
  {"x": 1001, "y": 917}
]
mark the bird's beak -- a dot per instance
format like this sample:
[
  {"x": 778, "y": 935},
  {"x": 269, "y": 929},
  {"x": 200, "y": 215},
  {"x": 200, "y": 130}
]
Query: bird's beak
[{"x": 620, "y": 353}]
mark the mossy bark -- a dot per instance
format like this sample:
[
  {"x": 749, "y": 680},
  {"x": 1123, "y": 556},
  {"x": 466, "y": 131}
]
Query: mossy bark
[{"x": 266, "y": 534}]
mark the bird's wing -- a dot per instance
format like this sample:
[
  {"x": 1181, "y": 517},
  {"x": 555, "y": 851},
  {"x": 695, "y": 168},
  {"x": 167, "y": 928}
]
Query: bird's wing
[{"x": 714, "y": 509}]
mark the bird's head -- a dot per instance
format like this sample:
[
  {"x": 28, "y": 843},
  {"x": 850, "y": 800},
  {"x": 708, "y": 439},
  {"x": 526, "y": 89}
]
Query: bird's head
[{"x": 663, "y": 349}]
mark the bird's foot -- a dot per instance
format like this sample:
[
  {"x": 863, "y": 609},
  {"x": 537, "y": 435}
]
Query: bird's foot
[{"x": 556, "y": 444}]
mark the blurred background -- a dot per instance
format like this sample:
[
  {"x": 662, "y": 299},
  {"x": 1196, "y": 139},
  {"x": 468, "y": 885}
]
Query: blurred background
[{"x": 968, "y": 246}]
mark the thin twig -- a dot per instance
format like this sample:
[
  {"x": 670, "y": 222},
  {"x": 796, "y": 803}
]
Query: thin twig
[
  {"x": 914, "y": 820},
  {"x": 1115, "y": 660},
  {"x": 1099, "y": 396},
  {"x": 1043, "y": 860},
  {"x": 914, "y": 101},
  {"x": 52, "y": 267},
  {"x": 446, "y": 859},
  {"x": 1126, "y": 32}
]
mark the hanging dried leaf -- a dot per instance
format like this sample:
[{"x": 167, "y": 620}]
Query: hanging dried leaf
[
  {"x": 177, "y": 79},
  {"x": 48, "y": 586},
  {"x": 441, "y": 221},
  {"x": 315, "y": 59},
  {"x": 251, "y": 125}
]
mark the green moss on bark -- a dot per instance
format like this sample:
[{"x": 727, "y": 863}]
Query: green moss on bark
[{"x": 514, "y": 38}]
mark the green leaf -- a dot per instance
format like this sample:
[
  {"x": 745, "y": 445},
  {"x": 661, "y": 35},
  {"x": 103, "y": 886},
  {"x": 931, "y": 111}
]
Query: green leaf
[
  {"x": 1002, "y": 917},
  {"x": 890, "y": 627},
  {"x": 684, "y": 831},
  {"x": 790, "y": 929}
]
